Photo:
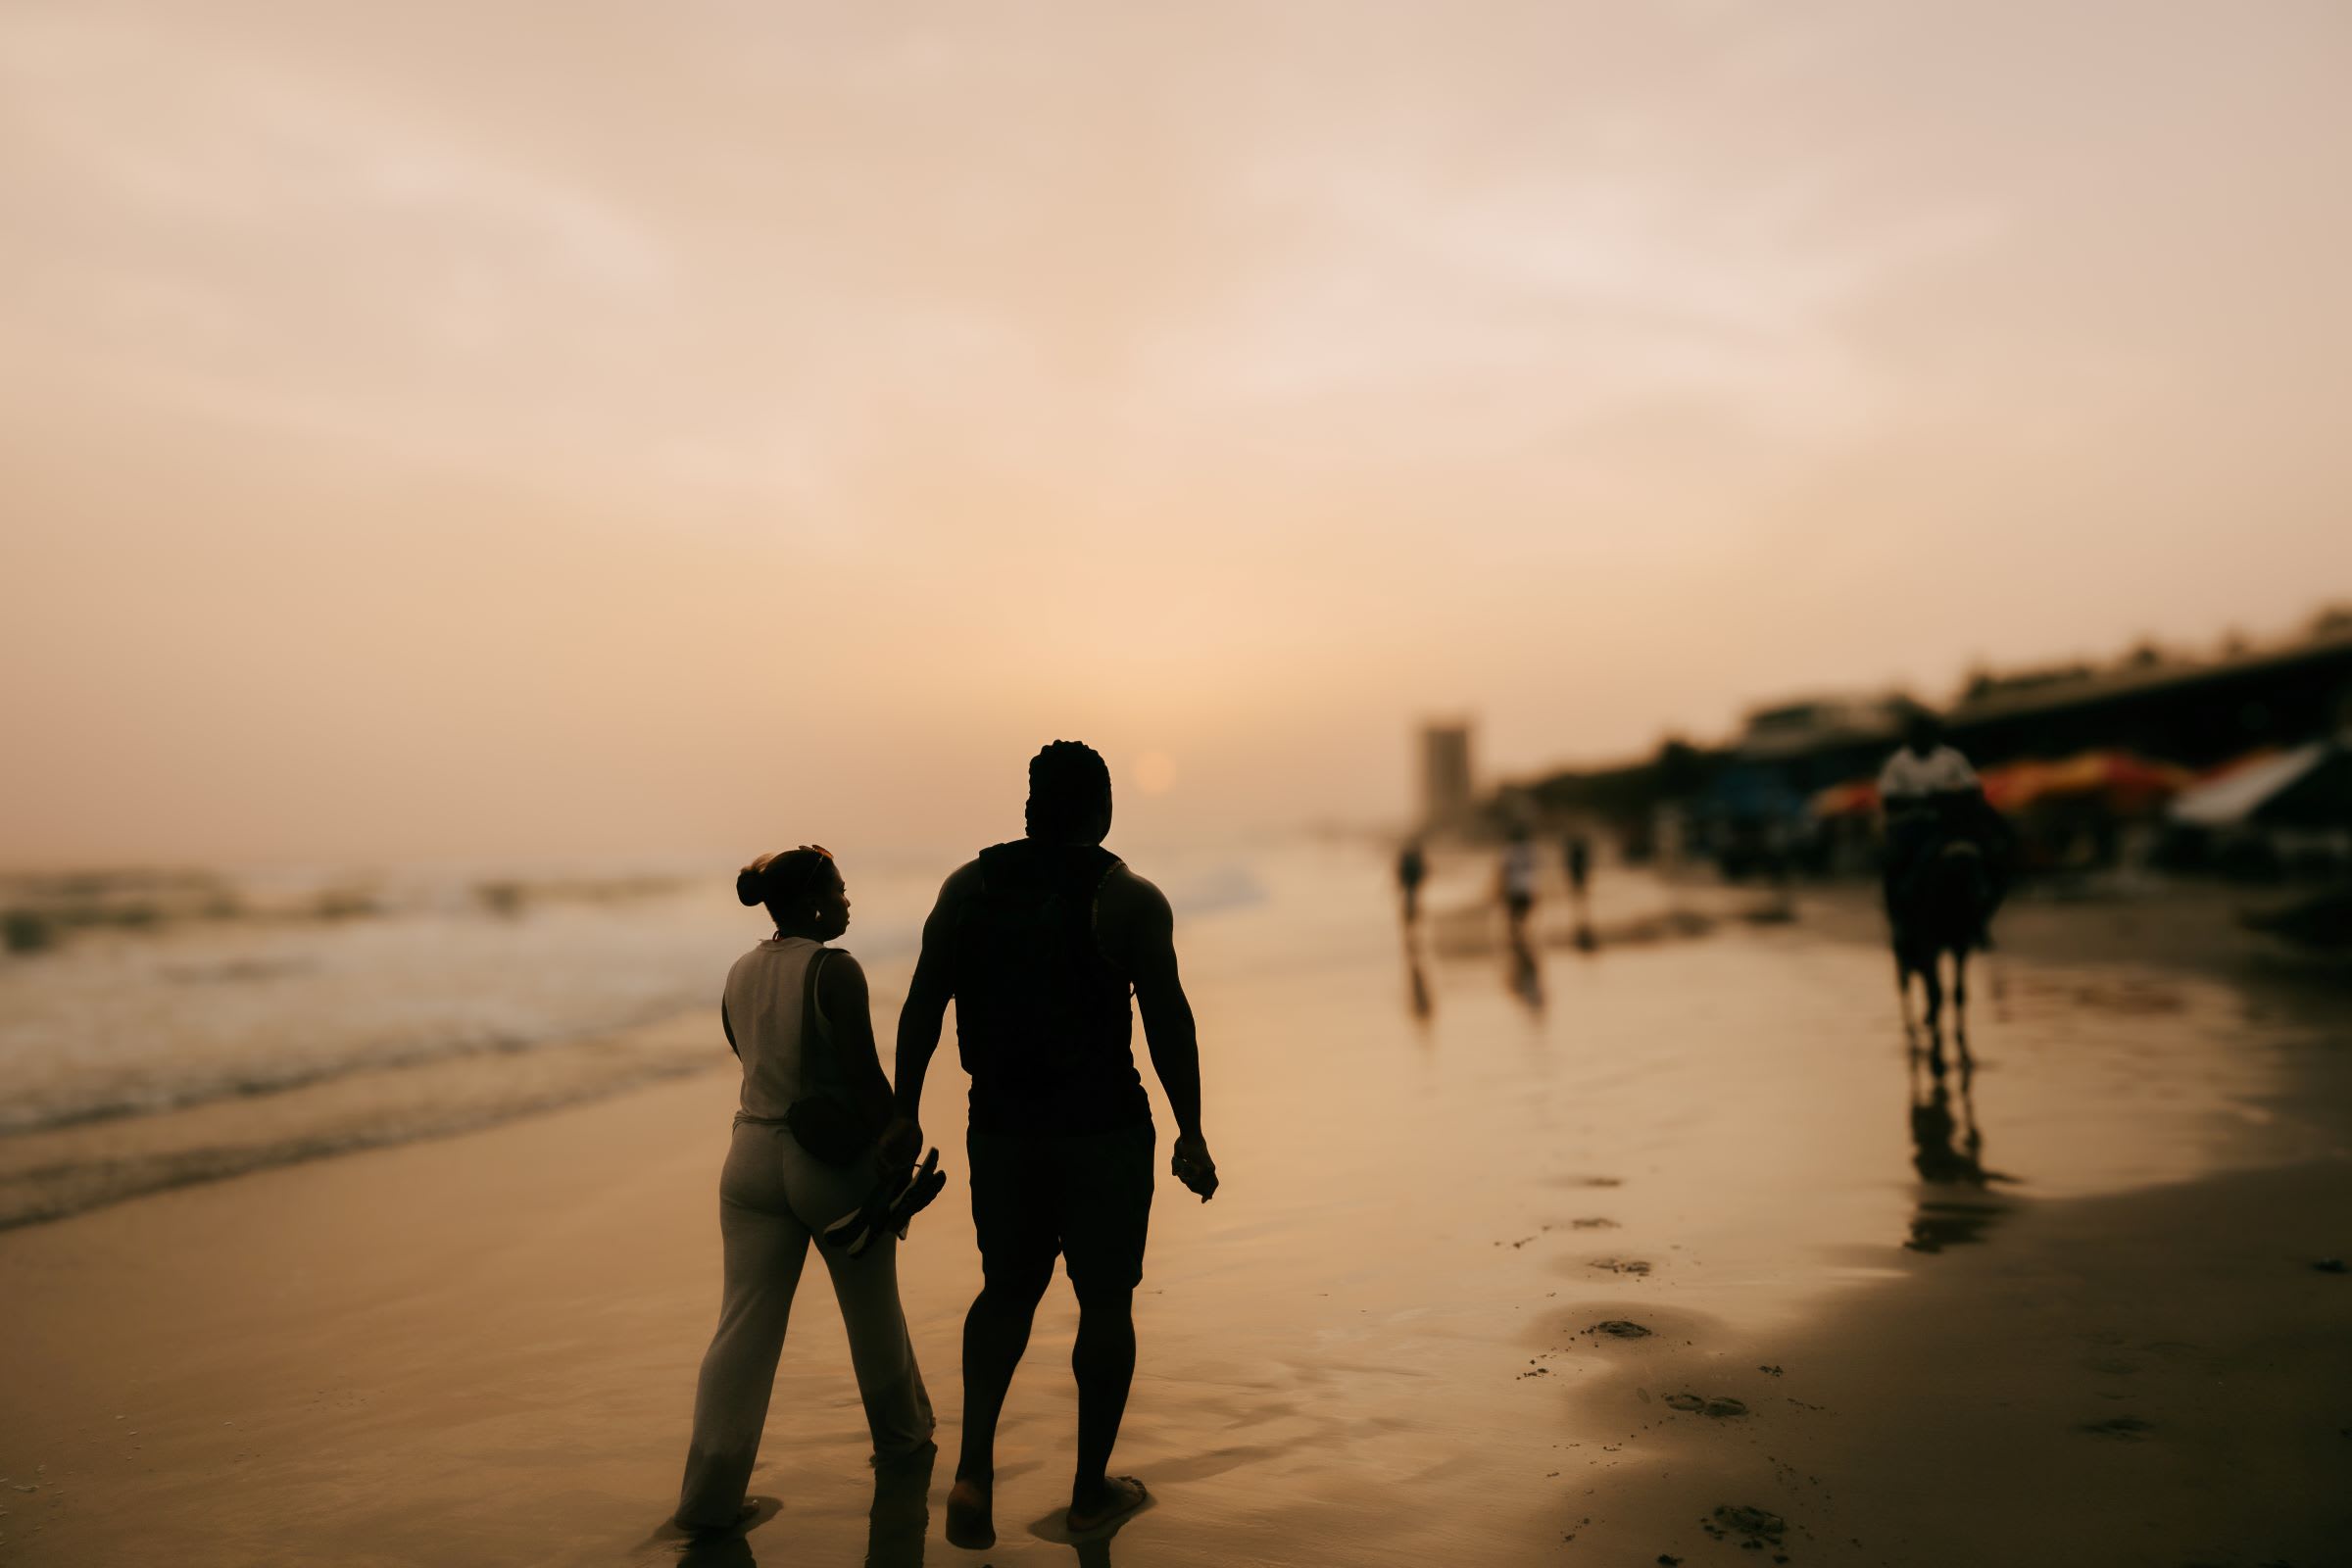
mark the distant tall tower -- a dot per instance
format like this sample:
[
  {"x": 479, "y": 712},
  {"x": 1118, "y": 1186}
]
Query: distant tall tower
[{"x": 1445, "y": 780}]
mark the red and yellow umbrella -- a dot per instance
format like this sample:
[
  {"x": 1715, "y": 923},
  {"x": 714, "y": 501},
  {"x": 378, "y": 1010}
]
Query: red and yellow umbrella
[
  {"x": 1855, "y": 798},
  {"x": 2121, "y": 781}
]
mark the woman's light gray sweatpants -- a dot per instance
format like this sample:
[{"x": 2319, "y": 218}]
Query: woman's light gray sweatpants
[{"x": 773, "y": 1196}]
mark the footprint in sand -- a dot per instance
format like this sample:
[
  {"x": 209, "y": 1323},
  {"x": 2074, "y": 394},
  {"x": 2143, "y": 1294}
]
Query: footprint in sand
[
  {"x": 1756, "y": 1528},
  {"x": 2128, "y": 1428}
]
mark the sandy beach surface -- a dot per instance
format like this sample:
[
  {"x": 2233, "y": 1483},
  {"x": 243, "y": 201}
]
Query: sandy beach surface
[{"x": 1678, "y": 1255}]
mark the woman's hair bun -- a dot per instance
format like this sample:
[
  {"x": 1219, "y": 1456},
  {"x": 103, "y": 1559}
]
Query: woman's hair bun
[{"x": 785, "y": 874}]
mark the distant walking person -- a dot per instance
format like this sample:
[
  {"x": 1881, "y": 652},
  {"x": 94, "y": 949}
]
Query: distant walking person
[
  {"x": 795, "y": 1012},
  {"x": 1518, "y": 879},
  {"x": 1413, "y": 870},
  {"x": 1577, "y": 852},
  {"x": 1039, "y": 941}
]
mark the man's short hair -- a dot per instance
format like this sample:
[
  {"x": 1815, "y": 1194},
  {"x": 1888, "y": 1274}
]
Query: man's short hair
[{"x": 1069, "y": 786}]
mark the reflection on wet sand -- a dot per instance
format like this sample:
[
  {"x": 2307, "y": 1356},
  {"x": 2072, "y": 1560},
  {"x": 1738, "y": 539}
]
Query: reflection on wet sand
[
  {"x": 1416, "y": 980},
  {"x": 900, "y": 1516},
  {"x": 1094, "y": 1551},
  {"x": 1946, "y": 1150},
  {"x": 895, "y": 1530},
  {"x": 1525, "y": 977},
  {"x": 731, "y": 1548}
]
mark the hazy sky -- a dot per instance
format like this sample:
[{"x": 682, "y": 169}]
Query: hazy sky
[{"x": 462, "y": 429}]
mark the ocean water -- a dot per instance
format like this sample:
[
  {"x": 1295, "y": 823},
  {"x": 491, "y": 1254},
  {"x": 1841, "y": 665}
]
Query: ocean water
[{"x": 157, "y": 1029}]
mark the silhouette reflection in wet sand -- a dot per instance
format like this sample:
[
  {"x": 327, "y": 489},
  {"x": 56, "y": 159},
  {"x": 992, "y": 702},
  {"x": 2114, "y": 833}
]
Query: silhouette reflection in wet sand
[
  {"x": 1526, "y": 977},
  {"x": 1093, "y": 1546},
  {"x": 1416, "y": 981},
  {"x": 894, "y": 1525},
  {"x": 719, "y": 1548},
  {"x": 1948, "y": 1150}
]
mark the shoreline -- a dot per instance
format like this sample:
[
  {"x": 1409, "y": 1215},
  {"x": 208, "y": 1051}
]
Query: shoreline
[{"x": 54, "y": 1173}]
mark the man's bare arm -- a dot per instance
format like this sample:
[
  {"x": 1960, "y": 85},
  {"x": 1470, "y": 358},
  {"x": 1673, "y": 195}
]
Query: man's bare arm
[
  {"x": 927, "y": 1011},
  {"x": 1169, "y": 1027},
  {"x": 1144, "y": 937}
]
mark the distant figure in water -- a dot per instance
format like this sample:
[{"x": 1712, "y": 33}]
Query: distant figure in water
[
  {"x": 1039, "y": 941},
  {"x": 1576, "y": 851},
  {"x": 796, "y": 1015},
  {"x": 1518, "y": 876},
  {"x": 1413, "y": 870}
]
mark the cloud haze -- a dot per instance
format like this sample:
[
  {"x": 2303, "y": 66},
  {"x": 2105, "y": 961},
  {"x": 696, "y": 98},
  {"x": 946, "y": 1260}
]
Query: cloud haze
[{"x": 442, "y": 429}]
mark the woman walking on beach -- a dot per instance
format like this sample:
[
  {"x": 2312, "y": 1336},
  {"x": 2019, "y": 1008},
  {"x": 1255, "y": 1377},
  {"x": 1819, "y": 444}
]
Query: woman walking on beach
[{"x": 813, "y": 1093}]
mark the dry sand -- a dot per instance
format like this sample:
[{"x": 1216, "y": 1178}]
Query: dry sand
[{"x": 1373, "y": 1347}]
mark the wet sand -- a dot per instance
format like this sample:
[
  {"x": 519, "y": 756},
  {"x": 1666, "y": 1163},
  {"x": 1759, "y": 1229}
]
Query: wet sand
[{"x": 2098, "y": 1336}]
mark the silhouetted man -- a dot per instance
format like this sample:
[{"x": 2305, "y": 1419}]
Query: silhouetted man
[{"x": 1039, "y": 941}]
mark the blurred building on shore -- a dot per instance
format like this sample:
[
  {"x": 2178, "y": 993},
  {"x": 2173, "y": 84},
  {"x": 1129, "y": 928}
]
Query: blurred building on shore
[
  {"x": 2086, "y": 757},
  {"x": 1448, "y": 786},
  {"x": 2196, "y": 712}
]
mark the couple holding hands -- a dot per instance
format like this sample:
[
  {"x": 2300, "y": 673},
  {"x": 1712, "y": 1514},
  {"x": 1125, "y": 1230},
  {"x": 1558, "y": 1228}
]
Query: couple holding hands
[{"x": 1039, "y": 941}]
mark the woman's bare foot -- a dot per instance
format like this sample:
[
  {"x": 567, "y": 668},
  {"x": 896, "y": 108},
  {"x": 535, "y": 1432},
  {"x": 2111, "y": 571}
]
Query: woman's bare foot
[
  {"x": 1116, "y": 1498},
  {"x": 970, "y": 1523}
]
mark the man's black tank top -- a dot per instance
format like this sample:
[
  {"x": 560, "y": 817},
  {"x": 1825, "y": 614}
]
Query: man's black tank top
[{"x": 1041, "y": 1019}]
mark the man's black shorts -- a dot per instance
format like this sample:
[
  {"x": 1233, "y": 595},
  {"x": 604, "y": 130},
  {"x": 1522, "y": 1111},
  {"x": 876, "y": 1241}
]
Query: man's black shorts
[{"x": 1085, "y": 1195}]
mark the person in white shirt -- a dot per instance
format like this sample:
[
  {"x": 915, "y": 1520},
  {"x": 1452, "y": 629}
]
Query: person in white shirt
[
  {"x": 1928, "y": 792},
  {"x": 1924, "y": 768}
]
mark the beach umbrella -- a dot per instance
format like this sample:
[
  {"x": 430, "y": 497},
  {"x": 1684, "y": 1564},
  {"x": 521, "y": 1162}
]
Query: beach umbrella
[
  {"x": 2120, "y": 781},
  {"x": 1855, "y": 798},
  {"x": 2310, "y": 786},
  {"x": 2012, "y": 784}
]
